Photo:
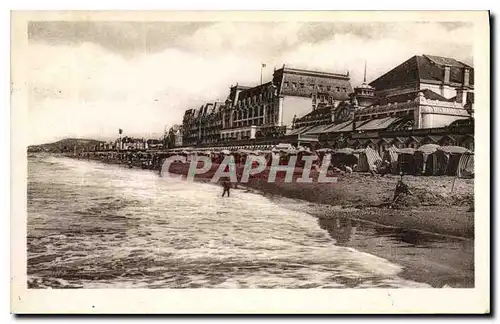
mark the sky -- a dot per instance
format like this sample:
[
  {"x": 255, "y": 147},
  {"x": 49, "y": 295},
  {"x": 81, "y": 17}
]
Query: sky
[{"x": 88, "y": 79}]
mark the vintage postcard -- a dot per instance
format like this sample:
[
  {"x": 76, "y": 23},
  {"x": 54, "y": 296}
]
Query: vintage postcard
[{"x": 250, "y": 162}]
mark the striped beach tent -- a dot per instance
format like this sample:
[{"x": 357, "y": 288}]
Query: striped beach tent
[
  {"x": 368, "y": 157},
  {"x": 390, "y": 155},
  {"x": 465, "y": 167}
]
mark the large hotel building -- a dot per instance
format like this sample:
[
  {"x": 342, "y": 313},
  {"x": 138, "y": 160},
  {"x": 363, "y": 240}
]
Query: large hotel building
[{"x": 422, "y": 94}]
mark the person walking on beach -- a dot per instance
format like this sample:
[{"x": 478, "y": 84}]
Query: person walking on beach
[{"x": 226, "y": 184}]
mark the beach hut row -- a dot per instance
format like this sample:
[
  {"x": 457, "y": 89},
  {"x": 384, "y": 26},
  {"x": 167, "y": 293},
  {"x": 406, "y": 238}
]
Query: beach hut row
[{"x": 431, "y": 159}]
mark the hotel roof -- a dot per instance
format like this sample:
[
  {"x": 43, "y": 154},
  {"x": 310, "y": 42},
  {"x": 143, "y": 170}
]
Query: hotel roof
[{"x": 423, "y": 68}]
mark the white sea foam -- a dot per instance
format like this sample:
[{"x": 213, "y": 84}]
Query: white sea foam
[{"x": 128, "y": 228}]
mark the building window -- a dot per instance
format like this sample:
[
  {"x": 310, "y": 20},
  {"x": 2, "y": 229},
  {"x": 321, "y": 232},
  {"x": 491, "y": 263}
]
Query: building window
[
  {"x": 338, "y": 89},
  {"x": 321, "y": 88},
  {"x": 329, "y": 88},
  {"x": 311, "y": 86},
  {"x": 302, "y": 85},
  {"x": 294, "y": 85},
  {"x": 286, "y": 84},
  {"x": 344, "y": 89}
]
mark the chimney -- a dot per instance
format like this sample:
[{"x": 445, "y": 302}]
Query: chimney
[
  {"x": 466, "y": 77},
  {"x": 446, "y": 75}
]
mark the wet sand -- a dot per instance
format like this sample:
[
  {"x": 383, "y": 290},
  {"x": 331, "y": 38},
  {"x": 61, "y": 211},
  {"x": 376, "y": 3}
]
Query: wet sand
[{"x": 437, "y": 259}]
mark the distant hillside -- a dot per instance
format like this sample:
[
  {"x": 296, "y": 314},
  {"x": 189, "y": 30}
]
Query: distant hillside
[{"x": 65, "y": 145}]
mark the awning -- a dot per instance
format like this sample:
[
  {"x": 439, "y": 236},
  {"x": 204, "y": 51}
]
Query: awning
[
  {"x": 379, "y": 123},
  {"x": 400, "y": 139},
  {"x": 351, "y": 142},
  {"x": 308, "y": 138},
  {"x": 337, "y": 128},
  {"x": 299, "y": 130},
  {"x": 387, "y": 140},
  {"x": 316, "y": 129},
  {"x": 435, "y": 138},
  {"x": 453, "y": 137}
]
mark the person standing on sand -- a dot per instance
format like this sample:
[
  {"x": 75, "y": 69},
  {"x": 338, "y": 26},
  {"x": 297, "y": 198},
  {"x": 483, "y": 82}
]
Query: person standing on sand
[
  {"x": 226, "y": 184},
  {"x": 386, "y": 168},
  {"x": 401, "y": 189}
]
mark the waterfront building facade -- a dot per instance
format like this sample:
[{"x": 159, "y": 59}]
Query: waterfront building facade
[
  {"x": 424, "y": 96},
  {"x": 268, "y": 110},
  {"x": 202, "y": 125}
]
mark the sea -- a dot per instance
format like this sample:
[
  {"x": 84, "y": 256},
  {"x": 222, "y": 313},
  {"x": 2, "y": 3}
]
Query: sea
[{"x": 96, "y": 225}]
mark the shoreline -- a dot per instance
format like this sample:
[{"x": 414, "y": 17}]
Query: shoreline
[
  {"x": 433, "y": 208},
  {"x": 451, "y": 267},
  {"x": 364, "y": 197}
]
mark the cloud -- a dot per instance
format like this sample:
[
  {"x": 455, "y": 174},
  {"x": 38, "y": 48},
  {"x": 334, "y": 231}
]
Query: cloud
[
  {"x": 89, "y": 79},
  {"x": 126, "y": 38}
]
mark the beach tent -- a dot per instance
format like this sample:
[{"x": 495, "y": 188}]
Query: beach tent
[
  {"x": 406, "y": 160},
  {"x": 345, "y": 156},
  {"x": 368, "y": 157},
  {"x": 390, "y": 155},
  {"x": 423, "y": 163},
  {"x": 447, "y": 158},
  {"x": 283, "y": 146},
  {"x": 465, "y": 167}
]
